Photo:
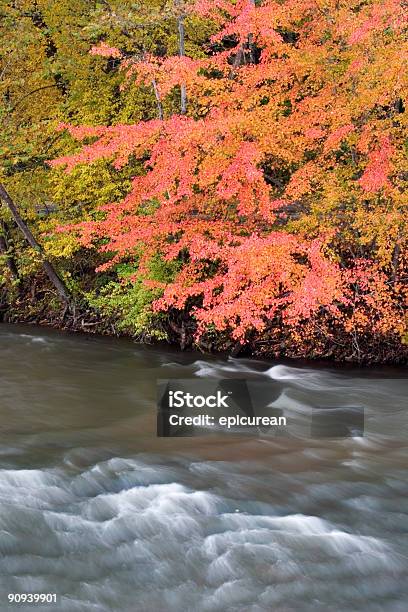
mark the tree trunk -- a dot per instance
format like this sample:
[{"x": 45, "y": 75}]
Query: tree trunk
[
  {"x": 395, "y": 257},
  {"x": 240, "y": 58},
  {"x": 51, "y": 273},
  {"x": 4, "y": 249},
  {"x": 158, "y": 100},
  {"x": 182, "y": 53}
]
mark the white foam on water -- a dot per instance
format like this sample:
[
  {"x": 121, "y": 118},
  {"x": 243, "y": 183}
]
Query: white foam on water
[
  {"x": 204, "y": 368},
  {"x": 39, "y": 340},
  {"x": 31, "y": 338},
  {"x": 125, "y": 535},
  {"x": 306, "y": 378},
  {"x": 281, "y": 372}
]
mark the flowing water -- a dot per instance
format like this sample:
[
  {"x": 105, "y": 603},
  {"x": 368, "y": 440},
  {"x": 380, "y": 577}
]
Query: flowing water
[{"x": 96, "y": 508}]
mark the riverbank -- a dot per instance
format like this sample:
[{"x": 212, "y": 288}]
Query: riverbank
[{"x": 40, "y": 307}]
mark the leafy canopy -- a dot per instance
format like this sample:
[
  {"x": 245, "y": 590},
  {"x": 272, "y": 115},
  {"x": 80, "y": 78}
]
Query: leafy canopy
[{"x": 282, "y": 193}]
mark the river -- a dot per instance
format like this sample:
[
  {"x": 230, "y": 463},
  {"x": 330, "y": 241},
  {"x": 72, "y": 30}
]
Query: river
[{"x": 97, "y": 509}]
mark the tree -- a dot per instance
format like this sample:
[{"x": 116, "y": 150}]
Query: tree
[
  {"x": 282, "y": 193},
  {"x": 46, "y": 75}
]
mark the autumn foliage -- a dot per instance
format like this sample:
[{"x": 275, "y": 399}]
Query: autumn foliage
[{"x": 281, "y": 195}]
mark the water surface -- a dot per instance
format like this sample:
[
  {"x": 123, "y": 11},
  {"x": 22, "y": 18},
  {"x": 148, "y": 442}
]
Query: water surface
[{"x": 99, "y": 510}]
